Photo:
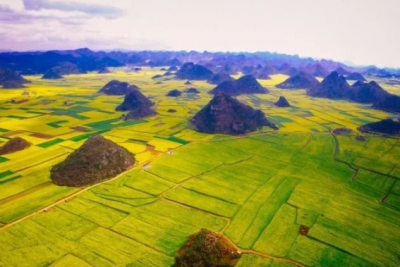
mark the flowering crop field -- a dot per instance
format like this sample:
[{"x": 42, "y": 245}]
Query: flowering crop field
[{"x": 298, "y": 196}]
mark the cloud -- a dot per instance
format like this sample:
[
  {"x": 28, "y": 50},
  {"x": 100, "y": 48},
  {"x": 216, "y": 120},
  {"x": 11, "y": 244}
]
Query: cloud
[
  {"x": 11, "y": 16},
  {"x": 108, "y": 12},
  {"x": 8, "y": 15},
  {"x": 37, "y": 36}
]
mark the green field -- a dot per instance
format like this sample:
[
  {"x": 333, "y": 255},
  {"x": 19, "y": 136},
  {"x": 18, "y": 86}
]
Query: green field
[{"x": 257, "y": 190}]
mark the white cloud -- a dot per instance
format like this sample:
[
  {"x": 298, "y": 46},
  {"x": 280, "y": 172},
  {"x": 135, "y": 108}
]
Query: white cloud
[{"x": 106, "y": 11}]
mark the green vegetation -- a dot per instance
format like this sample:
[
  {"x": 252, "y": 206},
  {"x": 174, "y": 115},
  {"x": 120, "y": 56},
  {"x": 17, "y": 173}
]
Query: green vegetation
[{"x": 50, "y": 143}]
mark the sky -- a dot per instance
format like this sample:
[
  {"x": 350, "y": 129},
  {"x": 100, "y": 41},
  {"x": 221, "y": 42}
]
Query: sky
[{"x": 361, "y": 32}]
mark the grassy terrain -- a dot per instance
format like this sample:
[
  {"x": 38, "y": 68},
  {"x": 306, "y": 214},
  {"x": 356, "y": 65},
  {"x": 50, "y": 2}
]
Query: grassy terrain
[{"x": 257, "y": 190}]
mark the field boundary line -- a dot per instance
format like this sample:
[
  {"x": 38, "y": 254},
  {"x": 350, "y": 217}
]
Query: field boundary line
[
  {"x": 42, "y": 162},
  {"x": 264, "y": 255}
]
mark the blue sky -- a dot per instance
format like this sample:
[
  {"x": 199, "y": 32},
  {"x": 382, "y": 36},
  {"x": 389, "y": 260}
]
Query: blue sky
[{"x": 359, "y": 31}]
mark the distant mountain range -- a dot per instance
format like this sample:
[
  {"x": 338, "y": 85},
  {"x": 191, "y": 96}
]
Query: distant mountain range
[{"x": 258, "y": 63}]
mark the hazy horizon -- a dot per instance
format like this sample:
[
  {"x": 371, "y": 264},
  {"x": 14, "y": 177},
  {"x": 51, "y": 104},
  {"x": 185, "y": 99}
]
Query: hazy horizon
[
  {"x": 348, "y": 63},
  {"x": 360, "y": 32}
]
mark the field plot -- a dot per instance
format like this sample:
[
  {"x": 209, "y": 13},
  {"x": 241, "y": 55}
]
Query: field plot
[{"x": 300, "y": 196}]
